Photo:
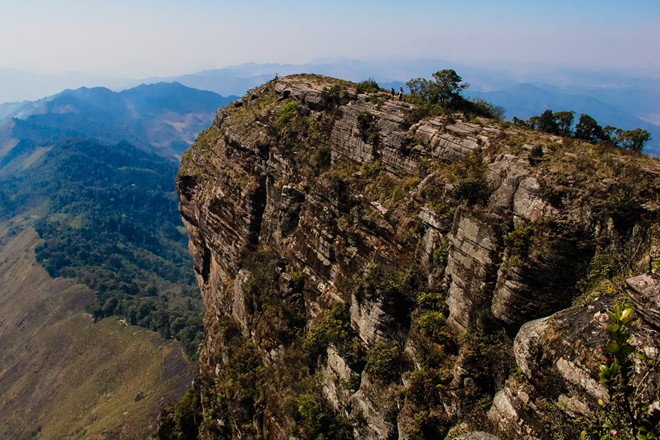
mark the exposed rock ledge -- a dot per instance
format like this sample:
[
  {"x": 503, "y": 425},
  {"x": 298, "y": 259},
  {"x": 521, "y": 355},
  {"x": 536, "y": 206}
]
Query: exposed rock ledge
[{"x": 442, "y": 239}]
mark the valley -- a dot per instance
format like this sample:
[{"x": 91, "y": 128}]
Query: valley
[
  {"x": 101, "y": 320},
  {"x": 66, "y": 375}
]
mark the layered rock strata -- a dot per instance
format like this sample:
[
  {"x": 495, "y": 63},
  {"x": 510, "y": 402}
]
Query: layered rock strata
[{"x": 403, "y": 269}]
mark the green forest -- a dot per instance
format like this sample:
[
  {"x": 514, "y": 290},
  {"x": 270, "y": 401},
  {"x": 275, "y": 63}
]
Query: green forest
[{"x": 108, "y": 217}]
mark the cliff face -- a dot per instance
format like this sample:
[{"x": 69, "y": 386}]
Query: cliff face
[{"x": 369, "y": 274}]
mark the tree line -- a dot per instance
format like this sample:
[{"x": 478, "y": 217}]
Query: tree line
[
  {"x": 444, "y": 92},
  {"x": 587, "y": 129}
]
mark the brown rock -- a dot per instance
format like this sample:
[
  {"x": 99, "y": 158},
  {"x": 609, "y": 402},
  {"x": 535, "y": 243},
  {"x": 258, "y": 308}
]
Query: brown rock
[{"x": 644, "y": 292}]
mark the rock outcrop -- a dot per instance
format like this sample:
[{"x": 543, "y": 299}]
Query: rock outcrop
[{"x": 370, "y": 275}]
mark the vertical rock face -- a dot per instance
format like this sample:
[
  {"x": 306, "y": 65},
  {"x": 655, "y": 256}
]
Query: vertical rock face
[
  {"x": 365, "y": 273},
  {"x": 471, "y": 267}
]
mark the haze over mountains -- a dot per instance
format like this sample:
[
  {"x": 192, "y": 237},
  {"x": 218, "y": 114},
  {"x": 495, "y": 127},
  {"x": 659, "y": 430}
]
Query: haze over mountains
[
  {"x": 620, "y": 98},
  {"x": 89, "y": 229},
  {"x": 87, "y": 207},
  {"x": 162, "y": 117}
]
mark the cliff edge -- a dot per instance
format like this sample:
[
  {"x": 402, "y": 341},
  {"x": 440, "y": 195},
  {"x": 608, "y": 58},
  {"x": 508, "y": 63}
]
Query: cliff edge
[{"x": 372, "y": 273}]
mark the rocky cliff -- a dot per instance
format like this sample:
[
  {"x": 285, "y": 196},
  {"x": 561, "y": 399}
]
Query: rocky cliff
[{"x": 371, "y": 273}]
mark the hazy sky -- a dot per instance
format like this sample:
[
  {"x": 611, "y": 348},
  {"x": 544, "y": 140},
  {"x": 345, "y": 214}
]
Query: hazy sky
[{"x": 140, "y": 38}]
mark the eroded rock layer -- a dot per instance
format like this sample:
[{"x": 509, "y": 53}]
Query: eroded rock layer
[{"x": 371, "y": 274}]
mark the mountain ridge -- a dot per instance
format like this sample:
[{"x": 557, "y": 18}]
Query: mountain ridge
[
  {"x": 636, "y": 93},
  {"x": 162, "y": 117},
  {"x": 401, "y": 274},
  {"x": 614, "y": 90}
]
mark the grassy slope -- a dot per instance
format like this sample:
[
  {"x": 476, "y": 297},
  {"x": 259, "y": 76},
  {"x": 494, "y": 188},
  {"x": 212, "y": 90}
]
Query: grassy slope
[
  {"x": 63, "y": 376},
  {"x": 108, "y": 217}
]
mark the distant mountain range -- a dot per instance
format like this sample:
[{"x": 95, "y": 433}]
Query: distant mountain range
[
  {"x": 618, "y": 99},
  {"x": 161, "y": 117},
  {"x": 93, "y": 171},
  {"x": 20, "y": 85},
  {"x": 91, "y": 248},
  {"x": 622, "y": 99}
]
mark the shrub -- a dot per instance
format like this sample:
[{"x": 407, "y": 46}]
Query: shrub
[
  {"x": 335, "y": 96},
  {"x": 296, "y": 276},
  {"x": 473, "y": 189},
  {"x": 430, "y": 300},
  {"x": 441, "y": 255},
  {"x": 334, "y": 328},
  {"x": 317, "y": 420},
  {"x": 286, "y": 113},
  {"x": 431, "y": 324},
  {"x": 180, "y": 420},
  {"x": 424, "y": 416},
  {"x": 368, "y": 128},
  {"x": 518, "y": 240},
  {"x": 396, "y": 288},
  {"x": 384, "y": 361},
  {"x": 322, "y": 158},
  {"x": 367, "y": 86},
  {"x": 535, "y": 155},
  {"x": 482, "y": 107}
]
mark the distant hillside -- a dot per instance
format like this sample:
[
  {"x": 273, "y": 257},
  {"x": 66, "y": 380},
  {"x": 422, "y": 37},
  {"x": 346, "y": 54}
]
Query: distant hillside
[
  {"x": 91, "y": 247},
  {"x": 62, "y": 375},
  {"x": 163, "y": 117},
  {"x": 108, "y": 217}
]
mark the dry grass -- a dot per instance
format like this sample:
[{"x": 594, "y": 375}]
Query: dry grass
[{"x": 63, "y": 376}]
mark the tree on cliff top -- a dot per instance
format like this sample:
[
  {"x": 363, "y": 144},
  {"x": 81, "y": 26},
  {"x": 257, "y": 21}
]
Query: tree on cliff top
[
  {"x": 433, "y": 97},
  {"x": 445, "y": 89},
  {"x": 632, "y": 140},
  {"x": 588, "y": 129}
]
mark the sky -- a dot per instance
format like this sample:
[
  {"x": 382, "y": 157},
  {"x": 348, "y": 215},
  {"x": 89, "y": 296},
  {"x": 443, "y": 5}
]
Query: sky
[{"x": 141, "y": 38}]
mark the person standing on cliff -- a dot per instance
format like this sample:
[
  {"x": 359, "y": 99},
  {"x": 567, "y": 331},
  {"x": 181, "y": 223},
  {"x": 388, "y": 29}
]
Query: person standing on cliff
[{"x": 400, "y": 93}]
